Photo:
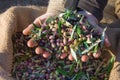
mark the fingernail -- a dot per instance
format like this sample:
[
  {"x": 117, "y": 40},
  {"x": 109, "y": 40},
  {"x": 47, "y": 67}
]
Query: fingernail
[{"x": 107, "y": 43}]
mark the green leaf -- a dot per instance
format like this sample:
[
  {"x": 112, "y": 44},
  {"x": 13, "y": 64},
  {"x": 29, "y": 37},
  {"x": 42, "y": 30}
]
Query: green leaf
[
  {"x": 110, "y": 64},
  {"x": 72, "y": 34},
  {"x": 49, "y": 20},
  {"x": 36, "y": 27},
  {"x": 67, "y": 14},
  {"x": 78, "y": 76},
  {"x": 87, "y": 24},
  {"x": 72, "y": 67},
  {"x": 78, "y": 30},
  {"x": 81, "y": 19},
  {"x": 93, "y": 45},
  {"x": 103, "y": 36},
  {"x": 95, "y": 49},
  {"x": 73, "y": 54},
  {"x": 86, "y": 45},
  {"x": 38, "y": 33},
  {"x": 79, "y": 51},
  {"x": 61, "y": 71},
  {"x": 59, "y": 27}
]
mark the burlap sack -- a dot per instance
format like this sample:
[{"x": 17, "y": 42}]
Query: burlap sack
[{"x": 15, "y": 19}]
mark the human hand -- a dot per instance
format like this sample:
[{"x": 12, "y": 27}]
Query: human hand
[
  {"x": 32, "y": 43},
  {"x": 40, "y": 21},
  {"x": 84, "y": 58},
  {"x": 93, "y": 21}
]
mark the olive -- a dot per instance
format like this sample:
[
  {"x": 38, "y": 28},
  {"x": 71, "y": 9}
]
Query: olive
[
  {"x": 70, "y": 57},
  {"x": 32, "y": 43},
  {"x": 63, "y": 55},
  {"x": 65, "y": 48},
  {"x": 84, "y": 58},
  {"x": 39, "y": 50},
  {"x": 97, "y": 54},
  {"x": 46, "y": 54},
  {"x": 56, "y": 26},
  {"x": 65, "y": 41}
]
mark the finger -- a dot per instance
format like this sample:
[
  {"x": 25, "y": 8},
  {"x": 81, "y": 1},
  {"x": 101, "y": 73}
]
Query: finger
[
  {"x": 32, "y": 43},
  {"x": 84, "y": 58},
  {"x": 63, "y": 56},
  {"x": 98, "y": 29},
  {"x": 107, "y": 42},
  {"x": 28, "y": 30},
  {"x": 39, "y": 50},
  {"x": 91, "y": 19},
  {"x": 46, "y": 54},
  {"x": 70, "y": 57},
  {"x": 97, "y": 54},
  {"x": 38, "y": 21}
]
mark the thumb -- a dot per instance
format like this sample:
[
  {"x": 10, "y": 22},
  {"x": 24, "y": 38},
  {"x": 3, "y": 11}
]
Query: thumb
[
  {"x": 107, "y": 42},
  {"x": 41, "y": 20}
]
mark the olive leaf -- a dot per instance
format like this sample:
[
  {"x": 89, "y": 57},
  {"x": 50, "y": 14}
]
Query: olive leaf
[
  {"x": 59, "y": 27},
  {"x": 86, "y": 45},
  {"x": 81, "y": 19},
  {"x": 79, "y": 51},
  {"x": 78, "y": 30},
  {"x": 93, "y": 45},
  {"x": 73, "y": 54},
  {"x": 110, "y": 64},
  {"x": 103, "y": 36},
  {"x": 78, "y": 76},
  {"x": 67, "y": 14},
  {"x": 72, "y": 67},
  {"x": 61, "y": 71},
  {"x": 72, "y": 34},
  {"x": 95, "y": 48},
  {"x": 35, "y": 26},
  {"x": 49, "y": 20}
]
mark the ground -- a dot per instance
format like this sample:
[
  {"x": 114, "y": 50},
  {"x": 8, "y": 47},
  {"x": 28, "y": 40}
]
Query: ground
[{"x": 5, "y": 4}]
